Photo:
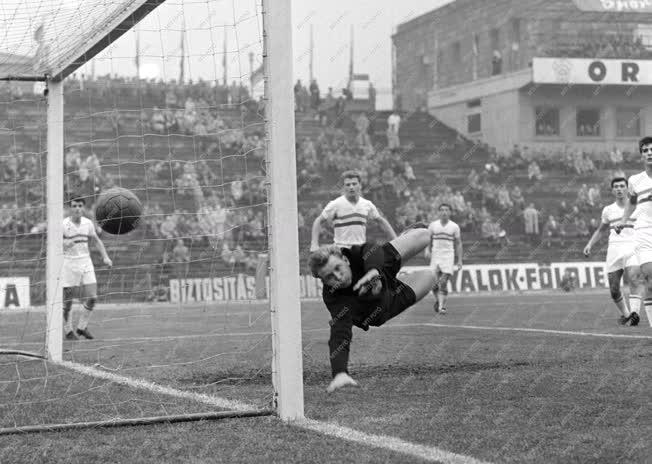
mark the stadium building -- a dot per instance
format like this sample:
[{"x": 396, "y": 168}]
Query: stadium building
[{"x": 553, "y": 73}]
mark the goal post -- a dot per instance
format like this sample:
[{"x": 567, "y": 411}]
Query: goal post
[
  {"x": 283, "y": 232},
  {"x": 188, "y": 148},
  {"x": 55, "y": 213}
]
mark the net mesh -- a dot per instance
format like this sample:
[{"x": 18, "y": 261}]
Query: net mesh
[
  {"x": 42, "y": 37},
  {"x": 172, "y": 111}
]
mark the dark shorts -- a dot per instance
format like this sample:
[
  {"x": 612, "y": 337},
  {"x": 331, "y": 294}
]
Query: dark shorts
[{"x": 396, "y": 296}]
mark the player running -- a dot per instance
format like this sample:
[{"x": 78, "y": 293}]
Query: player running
[
  {"x": 361, "y": 289},
  {"x": 78, "y": 274},
  {"x": 445, "y": 241},
  {"x": 621, "y": 256},
  {"x": 349, "y": 215},
  {"x": 640, "y": 198}
]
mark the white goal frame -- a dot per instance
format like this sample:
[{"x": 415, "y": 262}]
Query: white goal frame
[{"x": 287, "y": 366}]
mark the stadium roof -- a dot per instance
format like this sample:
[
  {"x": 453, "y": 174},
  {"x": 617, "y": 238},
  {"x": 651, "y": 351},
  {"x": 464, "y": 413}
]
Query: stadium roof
[{"x": 52, "y": 39}]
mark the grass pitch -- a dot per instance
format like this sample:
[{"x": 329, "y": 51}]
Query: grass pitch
[{"x": 536, "y": 379}]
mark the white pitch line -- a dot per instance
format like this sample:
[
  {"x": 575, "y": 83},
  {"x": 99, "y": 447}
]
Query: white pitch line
[
  {"x": 155, "y": 388},
  {"x": 322, "y": 329},
  {"x": 428, "y": 453},
  {"x": 167, "y": 338},
  {"x": 525, "y": 329}
]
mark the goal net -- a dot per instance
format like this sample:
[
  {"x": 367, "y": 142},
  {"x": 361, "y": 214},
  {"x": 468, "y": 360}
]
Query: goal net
[{"x": 174, "y": 102}]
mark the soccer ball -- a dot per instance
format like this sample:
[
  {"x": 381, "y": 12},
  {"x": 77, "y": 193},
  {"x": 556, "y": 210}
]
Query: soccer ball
[{"x": 118, "y": 211}]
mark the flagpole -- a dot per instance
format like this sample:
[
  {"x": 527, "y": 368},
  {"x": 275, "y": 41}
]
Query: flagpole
[
  {"x": 137, "y": 55},
  {"x": 183, "y": 57},
  {"x": 312, "y": 47},
  {"x": 351, "y": 58},
  {"x": 251, "y": 74},
  {"x": 224, "y": 61}
]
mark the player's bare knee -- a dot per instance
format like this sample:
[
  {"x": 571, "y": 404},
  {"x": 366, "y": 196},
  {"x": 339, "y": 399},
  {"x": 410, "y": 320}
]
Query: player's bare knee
[
  {"x": 89, "y": 304},
  {"x": 634, "y": 278},
  {"x": 634, "y": 288}
]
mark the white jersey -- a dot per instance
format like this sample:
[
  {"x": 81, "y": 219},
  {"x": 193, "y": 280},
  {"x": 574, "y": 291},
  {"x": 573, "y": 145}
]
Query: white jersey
[
  {"x": 75, "y": 238},
  {"x": 612, "y": 214},
  {"x": 350, "y": 220},
  {"x": 443, "y": 237},
  {"x": 640, "y": 185}
]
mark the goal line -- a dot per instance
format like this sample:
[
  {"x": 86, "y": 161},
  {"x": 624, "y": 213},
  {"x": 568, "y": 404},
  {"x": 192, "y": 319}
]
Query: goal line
[{"x": 230, "y": 408}]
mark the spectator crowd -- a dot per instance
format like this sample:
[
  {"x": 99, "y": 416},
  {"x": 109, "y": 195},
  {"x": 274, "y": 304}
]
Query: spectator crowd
[{"x": 197, "y": 196}]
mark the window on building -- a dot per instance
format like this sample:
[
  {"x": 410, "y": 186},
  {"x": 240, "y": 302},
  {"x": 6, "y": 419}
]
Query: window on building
[
  {"x": 474, "y": 123},
  {"x": 516, "y": 34},
  {"x": 475, "y": 52},
  {"x": 496, "y": 55},
  {"x": 628, "y": 122},
  {"x": 457, "y": 52},
  {"x": 494, "y": 38},
  {"x": 546, "y": 121},
  {"x": 516, "y": 29},
  {"x": 644, "y": 33},
  {"x": 588, "y": 122}
]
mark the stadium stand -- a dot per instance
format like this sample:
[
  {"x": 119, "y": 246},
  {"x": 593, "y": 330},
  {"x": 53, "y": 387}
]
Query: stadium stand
[{"x": 190, "y": 150}]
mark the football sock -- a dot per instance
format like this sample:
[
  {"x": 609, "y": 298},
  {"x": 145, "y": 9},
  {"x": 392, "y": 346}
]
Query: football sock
[
  {"x": 648, "y": 311},
  {"x": 68, "y": 322},
  {"x": 622, "y": 307},
  {"x": 634, "y": 304},
  {"x": 83, "y": 319}
]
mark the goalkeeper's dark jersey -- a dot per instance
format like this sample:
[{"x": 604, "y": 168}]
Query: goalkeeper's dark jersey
[{"x": 348, "y": 309}]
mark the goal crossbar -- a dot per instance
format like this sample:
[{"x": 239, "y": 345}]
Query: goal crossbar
[{"x": 89, "y": 44}]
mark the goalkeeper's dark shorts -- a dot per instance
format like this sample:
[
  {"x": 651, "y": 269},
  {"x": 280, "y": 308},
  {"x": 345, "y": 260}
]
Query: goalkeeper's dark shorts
[{"x": 396, "y": 296}]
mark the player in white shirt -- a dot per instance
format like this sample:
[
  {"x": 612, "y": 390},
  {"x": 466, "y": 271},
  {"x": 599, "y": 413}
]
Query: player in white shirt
[
  {"x": 349, "y": 214},
  {"x": 640, "y": 199},
  {"x": 621, "y": 256},
  {"x": 445, "y": 241},
  {"x": 78, "y": 274}
]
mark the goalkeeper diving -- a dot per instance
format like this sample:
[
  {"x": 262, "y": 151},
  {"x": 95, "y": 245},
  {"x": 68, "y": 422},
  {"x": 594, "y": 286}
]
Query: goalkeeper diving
[{"x": 361, "y": 289}]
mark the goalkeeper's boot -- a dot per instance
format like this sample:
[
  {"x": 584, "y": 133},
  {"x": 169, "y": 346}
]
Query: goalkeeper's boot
[
  {"x": 622, "y": 320},
  {"x": 442, "y": 310},
  {"x": 436, "y": 306},
  {"x": 634, "y": 319},
  {"x": 71, "y": 336},
  {"x": 85, "y": 333}
]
